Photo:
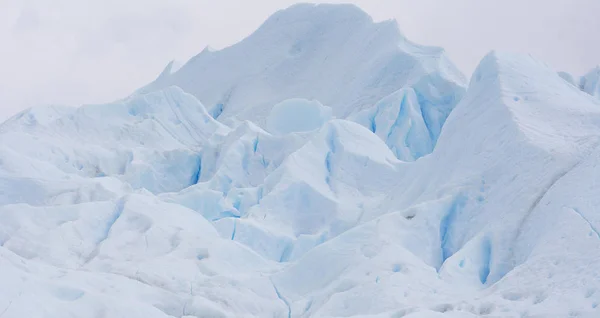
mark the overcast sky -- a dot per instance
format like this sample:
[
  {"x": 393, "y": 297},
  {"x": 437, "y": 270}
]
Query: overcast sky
[{"x": 91, "y": 51}]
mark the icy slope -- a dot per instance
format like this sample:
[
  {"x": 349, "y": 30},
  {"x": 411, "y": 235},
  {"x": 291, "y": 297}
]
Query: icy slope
[
  {"x": 114, "y": 246},
  {"x": 135, "y": 257},
  {"x": 480, "y": 218},
  {"x": 334, "y": 54},
  {"x": 149, "y": 141}
]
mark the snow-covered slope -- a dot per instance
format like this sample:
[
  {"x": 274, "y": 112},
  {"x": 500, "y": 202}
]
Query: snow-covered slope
[
  {"x": 419, "y": 200},
  {"x": 479, "y": 221},
  {"x": 334, "y": 54}
]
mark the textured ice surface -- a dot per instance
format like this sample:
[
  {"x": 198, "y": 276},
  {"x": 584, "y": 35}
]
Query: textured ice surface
[{"x": 421, "y": 200}]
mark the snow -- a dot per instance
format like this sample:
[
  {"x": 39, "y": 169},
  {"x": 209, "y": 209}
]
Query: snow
[{"x": 408, "y": 195}]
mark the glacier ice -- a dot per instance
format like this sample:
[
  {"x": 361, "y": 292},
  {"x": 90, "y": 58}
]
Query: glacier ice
[
  {"x": 590, "y": 82},
  {"x": 335, "y": 54},
  {"x": 331, "y": 54},
  {"x": 297, "y": 115},
  {"x": 408, "y": 195}
]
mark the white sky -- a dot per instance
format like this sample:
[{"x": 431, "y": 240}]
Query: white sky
[{"x": 91, "y": 51}]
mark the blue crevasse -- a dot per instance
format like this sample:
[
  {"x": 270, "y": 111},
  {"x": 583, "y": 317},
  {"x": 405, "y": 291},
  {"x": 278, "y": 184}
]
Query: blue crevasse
[{"x": 411, "y": 119}]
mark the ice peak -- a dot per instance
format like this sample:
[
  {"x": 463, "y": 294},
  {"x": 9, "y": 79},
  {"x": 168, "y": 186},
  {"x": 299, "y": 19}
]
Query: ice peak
[
  {"x": 322, "y": 13},
  {"x": 335, "y": 54},
  {"x": 519, "y": 91},
  {"x": 310, "y": 23},
  {"x": 507, "y": 68},
  {"x": 167, "y": 70}
]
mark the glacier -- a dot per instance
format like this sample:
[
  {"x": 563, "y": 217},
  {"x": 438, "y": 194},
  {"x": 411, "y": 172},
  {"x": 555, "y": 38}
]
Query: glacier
[
  {"x": 324, "y": 166},
  {"x": 297, "y": 115},
  {"x": 590, "y": 82}
]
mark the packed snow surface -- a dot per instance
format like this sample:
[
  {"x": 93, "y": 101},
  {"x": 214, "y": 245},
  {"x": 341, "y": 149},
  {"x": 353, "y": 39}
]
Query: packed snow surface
[{"x": 322, "y": 167}]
